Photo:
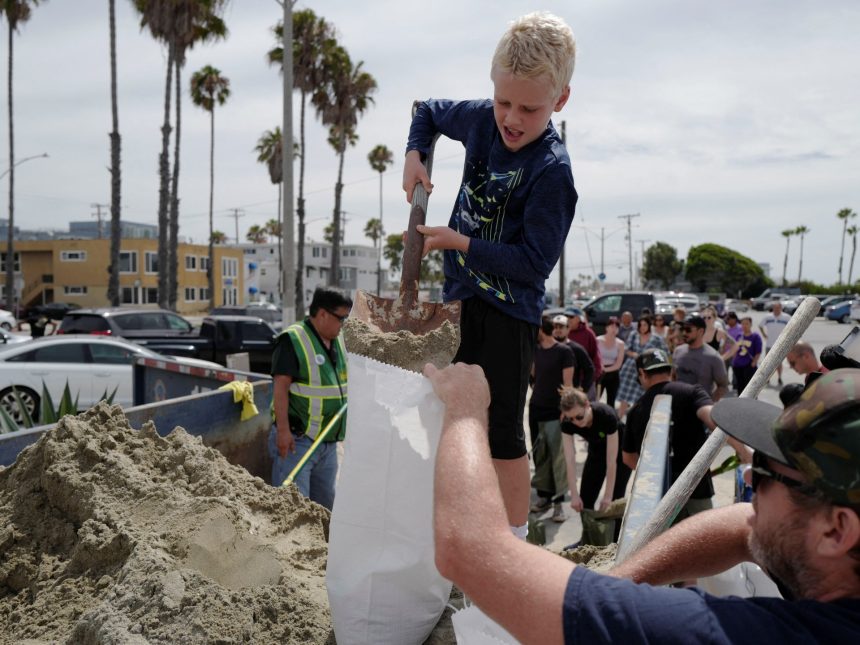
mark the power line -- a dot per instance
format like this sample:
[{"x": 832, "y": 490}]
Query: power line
[{"x": 236, "y": 214}]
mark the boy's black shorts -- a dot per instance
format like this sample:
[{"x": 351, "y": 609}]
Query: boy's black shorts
[{"x": 504, "y": 348}]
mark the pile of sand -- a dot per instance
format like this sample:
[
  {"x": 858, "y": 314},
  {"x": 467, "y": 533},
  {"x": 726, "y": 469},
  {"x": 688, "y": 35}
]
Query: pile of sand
[{"x": 108, "y": 535}]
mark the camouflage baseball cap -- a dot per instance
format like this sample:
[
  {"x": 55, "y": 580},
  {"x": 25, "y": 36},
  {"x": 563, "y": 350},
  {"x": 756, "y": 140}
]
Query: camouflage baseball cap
[
  {"x": 653, "y": 359},
  {"x": 819, "y": 435}
]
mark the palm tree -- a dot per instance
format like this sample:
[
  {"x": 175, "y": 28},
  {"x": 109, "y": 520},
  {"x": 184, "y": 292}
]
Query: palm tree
[
  {"x": 256, "y": 234},
  {"x": 179, "y": 24},
  {"x": 312, "y": 38},
  {"x": 373, "y": 231},
  {"x": 209, "y": 88},
  {"x": 801, "y": 231},
  {"x": 116, "y": 181},
  {"x": 787, "y": 233},
  {"x": 217, "y": 237},
  {"x": 845, "y": 214},
  {"x": 16, "y": 13},
  {"x": 344, "y": 97},
  {"x": 852, "y": 231},
  {"x": 268, "y": 150},
  {"x": 380, "y": 158}
]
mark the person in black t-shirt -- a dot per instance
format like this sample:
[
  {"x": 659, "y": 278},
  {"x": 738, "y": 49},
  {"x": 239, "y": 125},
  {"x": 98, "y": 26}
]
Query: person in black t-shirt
[
  {"x": 689, "y": 427},
  {"x": 553, "y": 368},
  {"x": 598, "y": 424}
]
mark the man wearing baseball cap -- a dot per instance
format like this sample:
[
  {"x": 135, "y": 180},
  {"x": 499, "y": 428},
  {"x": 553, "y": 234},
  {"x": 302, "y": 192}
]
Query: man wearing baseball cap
[
  {"x": 691, "y": 422},
  {"x": 803, "y": 526},
  {"x": 583, "y": 373}
]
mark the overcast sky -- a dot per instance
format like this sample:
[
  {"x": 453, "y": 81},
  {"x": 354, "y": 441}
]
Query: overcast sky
[{"x": 721, "y": 122}]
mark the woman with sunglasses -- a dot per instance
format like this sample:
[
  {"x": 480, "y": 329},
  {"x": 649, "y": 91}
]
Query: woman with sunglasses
[
  {"x": 612, "y": 357},
  {"x": 597, "y": 424},
  {"x": 715, "y": 336}
]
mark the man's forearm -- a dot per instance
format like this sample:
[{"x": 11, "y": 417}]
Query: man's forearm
[{"x": 703, "y": 545}]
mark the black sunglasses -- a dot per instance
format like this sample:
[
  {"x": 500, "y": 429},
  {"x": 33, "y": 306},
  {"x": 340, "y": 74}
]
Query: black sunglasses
[
  {"x": 761, "y": 471},
  {"x": 340, "y": 318}
]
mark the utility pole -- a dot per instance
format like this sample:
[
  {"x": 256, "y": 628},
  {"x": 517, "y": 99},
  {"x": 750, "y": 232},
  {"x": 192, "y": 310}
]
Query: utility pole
[
  {"x": 561, "y": 286},
  {"x": 237, "y": 213},
  {"x": 642, "y": 257},
  {"x": 288, "y": 244},
  {"x": 629, "y": 243},
  {"x": 98, "y": 216}
]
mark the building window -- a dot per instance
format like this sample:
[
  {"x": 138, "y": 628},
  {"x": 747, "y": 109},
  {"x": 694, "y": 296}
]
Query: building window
[
  {"x": 316, "y": 252},
  {"x": 229, "y": 296},
  {"x": 73, "y": 256},
  {"x": 190, "y": 262},
  {"x": 229, "y": 267},
  {"x": 204, "y": 263},
  {"x": 3, "y": 262},
  {"x": 203, "y": 293},
  {"x": 74, "y": 291},
  {"x": 150, "y": 295},
  {"x": 130, "y": 296},
  {"x": 151, "y": 262},
  {"x": 128, "y": 261},
  {"x": 190, "y": 292}
]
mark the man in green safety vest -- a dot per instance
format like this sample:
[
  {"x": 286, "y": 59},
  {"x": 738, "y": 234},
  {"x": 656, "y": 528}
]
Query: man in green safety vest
[{"x": 309, "y": 372}]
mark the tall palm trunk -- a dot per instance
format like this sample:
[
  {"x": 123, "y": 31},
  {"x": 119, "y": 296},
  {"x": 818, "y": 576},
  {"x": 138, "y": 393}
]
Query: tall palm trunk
[
  {"x": 10, "y": 237},
  {"x": 853, "y": 252},
  {"x": 785, "y": 262},
  {"x": 300, "y": 216},
  {"x": 800, "y": 264},
  {"x": 210, "y": 273},
  {"x": 842, "y": 248},
  {"x": 173, "y": 246},
  {"x": 115, "y": 183},
  {"x": 334, "y": 278},
  {"x": 164, "y": 186}
]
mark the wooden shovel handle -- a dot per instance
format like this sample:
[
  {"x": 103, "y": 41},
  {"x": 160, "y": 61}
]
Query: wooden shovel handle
[{"x": 411, "y": 265}]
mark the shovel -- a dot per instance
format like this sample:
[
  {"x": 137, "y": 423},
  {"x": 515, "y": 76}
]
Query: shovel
[{"x": 405, "y": 312}]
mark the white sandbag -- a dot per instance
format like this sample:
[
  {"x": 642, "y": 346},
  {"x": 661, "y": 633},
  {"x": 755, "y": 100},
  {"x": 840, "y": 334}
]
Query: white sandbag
[
  {"x": 383, "y": 586},
  {"x": 474, "y": 627}
]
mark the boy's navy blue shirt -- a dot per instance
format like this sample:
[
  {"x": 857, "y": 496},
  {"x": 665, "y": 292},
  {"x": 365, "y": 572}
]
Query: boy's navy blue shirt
[{"x": 517, "y": 207}]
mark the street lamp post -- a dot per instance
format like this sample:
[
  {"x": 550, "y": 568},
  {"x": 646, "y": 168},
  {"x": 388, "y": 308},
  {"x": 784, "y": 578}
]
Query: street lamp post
[{"x": 10, "y": 238}]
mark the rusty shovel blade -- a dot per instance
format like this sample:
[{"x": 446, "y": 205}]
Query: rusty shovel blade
[{"x": 394, "y": 314}]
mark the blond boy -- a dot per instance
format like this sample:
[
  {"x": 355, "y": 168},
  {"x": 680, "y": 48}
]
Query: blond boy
[{"x": 509, "y": 223}]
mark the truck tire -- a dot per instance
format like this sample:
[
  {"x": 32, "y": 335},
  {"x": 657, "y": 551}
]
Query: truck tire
[{"x": 846, "y": 319}]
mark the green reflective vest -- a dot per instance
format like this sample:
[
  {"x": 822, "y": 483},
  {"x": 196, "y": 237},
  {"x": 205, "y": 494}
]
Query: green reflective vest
[{"x": 320, "y": 390}]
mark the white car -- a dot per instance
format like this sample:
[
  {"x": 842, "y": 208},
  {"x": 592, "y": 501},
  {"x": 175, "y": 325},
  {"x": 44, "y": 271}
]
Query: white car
[
  {"x": 7, "y": 320},
  {"x": 91, "y": 365}
]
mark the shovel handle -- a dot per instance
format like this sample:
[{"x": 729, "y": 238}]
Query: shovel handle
[{"x": 411, "y": 265}]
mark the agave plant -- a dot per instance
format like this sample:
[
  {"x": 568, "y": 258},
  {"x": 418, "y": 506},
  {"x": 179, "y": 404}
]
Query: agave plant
[{"x": 48, "y": 414}]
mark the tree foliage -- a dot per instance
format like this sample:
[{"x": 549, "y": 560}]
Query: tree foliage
[
  {"x": 711, "y": 267},
  {"x": 661, "y": 264}
]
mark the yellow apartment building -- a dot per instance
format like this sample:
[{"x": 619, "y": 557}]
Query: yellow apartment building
[{"x": 77, "y": 271}]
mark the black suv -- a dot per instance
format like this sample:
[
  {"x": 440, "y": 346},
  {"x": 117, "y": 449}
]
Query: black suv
[
  {"x": 615, "y": 303},
  {"x": 128, "y": 323},
  {"x": 270, "y": 313}
]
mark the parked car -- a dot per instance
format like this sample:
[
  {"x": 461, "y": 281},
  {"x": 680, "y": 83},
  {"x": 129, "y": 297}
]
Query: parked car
[
  {"x": 615, "y": 303},
  {"x": 769, "y": 295},
  {"x": 132, "y": 324},
  {"x": 666, "y": 303},
  {"x": 53, "y": 310},
  {"x": 7, "y": 338},
  {"x": 220, "y": 336},
  {"x": 738, "y": 306},
  {"x": 268, "y": 312},
  {"x": 91, "y": 365},
  {"x": 835, "y": 300},
  {"x": 7, "y": 320},
  {"x": 840, "y": 312}
]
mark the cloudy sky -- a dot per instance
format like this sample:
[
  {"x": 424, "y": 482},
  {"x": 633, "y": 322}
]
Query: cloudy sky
[{"x": 722, "y": 122}]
